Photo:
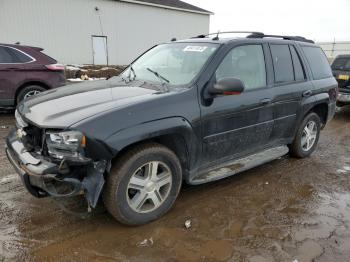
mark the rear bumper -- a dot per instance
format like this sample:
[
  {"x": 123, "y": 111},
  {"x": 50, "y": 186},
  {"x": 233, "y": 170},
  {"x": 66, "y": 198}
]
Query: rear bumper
[
  {"x": 343, "y": 97},
  {"x": 43, "y": 178}
]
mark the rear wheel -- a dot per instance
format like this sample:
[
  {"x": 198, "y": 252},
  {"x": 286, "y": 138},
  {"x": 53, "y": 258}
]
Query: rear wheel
[
  {"x": 143, "y": 184},
  {"x": 307, "y": 136},
  {"x": 29, "y": 91}
]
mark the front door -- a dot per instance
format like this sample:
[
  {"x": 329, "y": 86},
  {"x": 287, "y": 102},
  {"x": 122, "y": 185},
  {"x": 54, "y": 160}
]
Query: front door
[
  {"x": 237, "y": 125},
  {"x": 99, "y": 49}
]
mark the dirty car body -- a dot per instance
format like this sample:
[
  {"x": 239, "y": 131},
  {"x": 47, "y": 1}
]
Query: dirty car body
[{"x": 72, "y": 136}]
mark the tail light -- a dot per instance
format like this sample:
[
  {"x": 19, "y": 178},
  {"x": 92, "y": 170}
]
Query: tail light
[
  {"x": 333, "y": 93},
  {"x": 55, "y": 67}
]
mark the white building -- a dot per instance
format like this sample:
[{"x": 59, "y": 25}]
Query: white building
[{"x": 98, "y": 31}]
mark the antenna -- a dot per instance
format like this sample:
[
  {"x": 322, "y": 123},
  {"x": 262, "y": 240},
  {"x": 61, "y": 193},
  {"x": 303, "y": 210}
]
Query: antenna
[{"x": 217, "y": 36}]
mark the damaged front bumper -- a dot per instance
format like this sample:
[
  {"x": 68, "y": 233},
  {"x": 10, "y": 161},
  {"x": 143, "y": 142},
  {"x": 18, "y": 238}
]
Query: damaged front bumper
[{"x": 43, "y": 177}]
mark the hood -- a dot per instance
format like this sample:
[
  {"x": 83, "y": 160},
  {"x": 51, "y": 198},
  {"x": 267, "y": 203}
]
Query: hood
[{"x": 62, "y": 107}]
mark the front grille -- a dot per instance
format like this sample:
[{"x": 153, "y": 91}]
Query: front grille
[{"x": 33, "y": 140}]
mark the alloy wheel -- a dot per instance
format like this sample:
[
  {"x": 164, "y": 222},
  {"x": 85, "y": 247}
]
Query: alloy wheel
[
  {"x": 309, "y": 136},
  {"x": 31, "y": 93},
  {"x": 149, "y": 187}
]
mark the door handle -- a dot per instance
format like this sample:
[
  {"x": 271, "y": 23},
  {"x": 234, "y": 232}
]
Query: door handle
[
  {"x": 265, "y": 101},
  {"x": 307, "y": 93}
]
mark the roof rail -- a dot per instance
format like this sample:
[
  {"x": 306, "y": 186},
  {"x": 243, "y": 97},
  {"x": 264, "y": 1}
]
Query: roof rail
[
  {"x": 284, "y": 37},
  {"x": 253, "y": 34},
  {"x": 227, "y": 32}
]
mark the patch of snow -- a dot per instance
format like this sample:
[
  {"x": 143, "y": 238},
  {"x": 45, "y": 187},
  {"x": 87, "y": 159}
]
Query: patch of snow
[
  {"x": 347, "y": 168},
  {"x": 75, "y": 80},
  {"x": 72, "y": 68},
  {"x": 81, "y": 80}
]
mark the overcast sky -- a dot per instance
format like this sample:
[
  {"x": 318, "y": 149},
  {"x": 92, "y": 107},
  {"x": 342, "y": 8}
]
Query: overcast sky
[{"x": 320, "y": 20}]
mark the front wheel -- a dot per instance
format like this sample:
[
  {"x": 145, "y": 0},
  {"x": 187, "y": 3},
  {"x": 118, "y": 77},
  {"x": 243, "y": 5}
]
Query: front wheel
[
  {"x": 307, "y": 136},
  {"x": 143, "y": 184}
]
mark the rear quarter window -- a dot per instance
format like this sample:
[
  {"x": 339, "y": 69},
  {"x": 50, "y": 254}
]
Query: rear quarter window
[
  {"x": 318, "y": 62},
  {"x": 10, "y": 55}
]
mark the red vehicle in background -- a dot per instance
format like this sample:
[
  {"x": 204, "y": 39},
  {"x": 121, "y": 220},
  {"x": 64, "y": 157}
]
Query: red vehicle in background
[{"x": 26, "y": 71}]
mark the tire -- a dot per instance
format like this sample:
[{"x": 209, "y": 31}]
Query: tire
[
  {"x": 340, "y": 104},
  {"x": 29, "y": 91},
  {"x": 300, "y": 148},
  {"x": 123, "y": 199}
]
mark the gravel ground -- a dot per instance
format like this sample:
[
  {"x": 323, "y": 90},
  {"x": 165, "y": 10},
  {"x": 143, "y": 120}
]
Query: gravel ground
[{"x": 286, "y": 210}]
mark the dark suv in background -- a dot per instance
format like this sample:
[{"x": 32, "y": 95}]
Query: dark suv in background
[
  {"x": 196, "y": 110},
  {"x": 26, "y": 71},
  {"x": 341, "y": 71}
]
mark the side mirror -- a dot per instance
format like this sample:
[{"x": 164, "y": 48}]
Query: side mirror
[{"x": 227, "y": 86}]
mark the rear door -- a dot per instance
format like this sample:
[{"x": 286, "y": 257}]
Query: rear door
[
  {"x": 12, "y": 73},
  {"x": 289, "y": 89},
  {"x": 238, "y": 124}
]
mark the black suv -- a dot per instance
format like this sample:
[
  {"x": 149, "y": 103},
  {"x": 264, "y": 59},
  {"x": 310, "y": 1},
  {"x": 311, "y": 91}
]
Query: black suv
[
  {"x": 341, "y": 71},
  {"x": 195, "y": 110}
]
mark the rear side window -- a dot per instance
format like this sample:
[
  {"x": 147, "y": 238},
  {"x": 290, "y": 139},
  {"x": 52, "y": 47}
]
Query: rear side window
[
  {"x": 9, "y": 56},
  {"x": 318, "y": 62},
  {"x": 282, "y": 63},
  {"x": 298, "y": 68}
]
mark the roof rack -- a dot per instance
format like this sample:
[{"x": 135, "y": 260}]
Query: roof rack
[
  {"x": 284, "y": 37},
  {"x": 227, "y": 32},
  {"x": 253, "y": 34}
]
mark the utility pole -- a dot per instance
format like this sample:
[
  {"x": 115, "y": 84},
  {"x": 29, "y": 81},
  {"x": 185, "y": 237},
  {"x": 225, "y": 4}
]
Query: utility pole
[{"x": 333, "y": 48}]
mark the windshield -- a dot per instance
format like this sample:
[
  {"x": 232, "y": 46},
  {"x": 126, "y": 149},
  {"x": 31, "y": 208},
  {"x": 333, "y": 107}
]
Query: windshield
[
  {"x": 341, "y": 64},
  {"x": 174, "y": 64}
]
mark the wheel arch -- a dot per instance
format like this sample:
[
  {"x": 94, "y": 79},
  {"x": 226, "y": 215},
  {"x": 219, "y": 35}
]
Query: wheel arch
[
  {"x": 321, "y": 109},
  {"x": 30, "y": 83},
  {"x": 319, "y": 105},
  {"x": 174, "y": 133}
]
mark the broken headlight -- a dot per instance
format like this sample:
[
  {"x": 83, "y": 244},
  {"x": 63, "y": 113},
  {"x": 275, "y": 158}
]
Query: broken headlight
[{"x": 66, "y": 144}]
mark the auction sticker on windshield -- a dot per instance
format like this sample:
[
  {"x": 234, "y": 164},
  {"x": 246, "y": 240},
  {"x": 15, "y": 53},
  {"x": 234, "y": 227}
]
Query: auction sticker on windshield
[{"x": 192, "y": 48}]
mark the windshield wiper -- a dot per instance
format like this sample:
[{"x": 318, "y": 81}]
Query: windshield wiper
[
  {"x": 128, "y": 79},
  {"x": 162, "y": 79},
  {"x": 131, "y": 70}
]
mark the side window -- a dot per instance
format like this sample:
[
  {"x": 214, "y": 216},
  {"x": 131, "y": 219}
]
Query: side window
[
  {"x": 282, "y": 63},
  {"x": 18, "y": 56},
  {"x": 10, "y": 55},
  {"x": 246, "y": 63},
  {"x": 298, "y": 68},
  {"x": 5, "y": 56},
  {"x": 319, "y": 64}
]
